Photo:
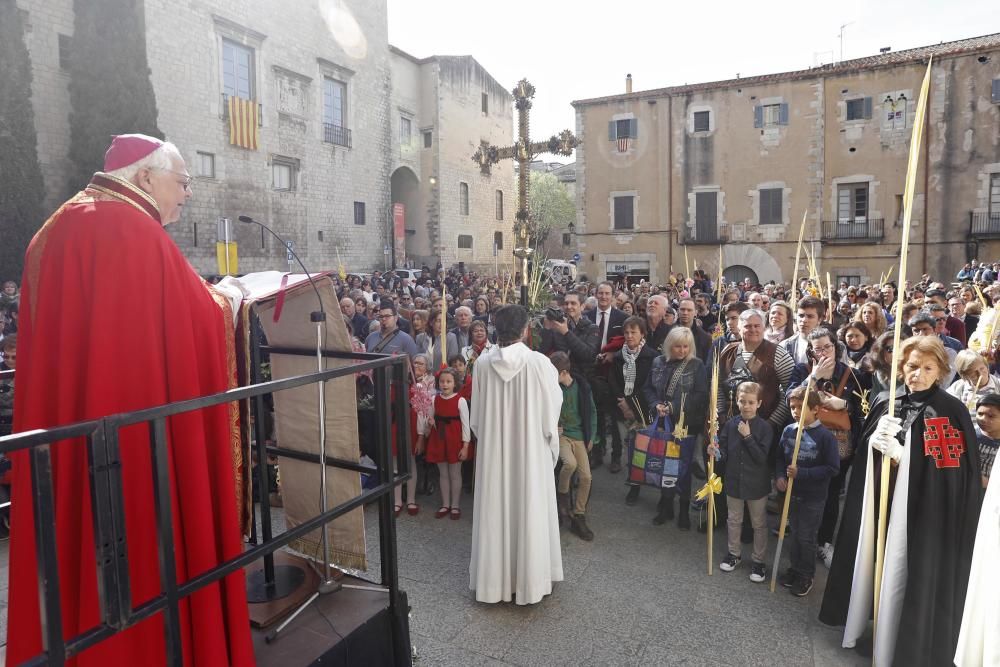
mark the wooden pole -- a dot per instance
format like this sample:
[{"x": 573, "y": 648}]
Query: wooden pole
[
  {"x": 788, "y": 489},
  {"x": 444, "y": 332},
  {"x": 713, "y": 431},
  {"x": 911, "y": 178},
  {"x": 829, "y": 293},
  {"x": 798, "y": 258}
]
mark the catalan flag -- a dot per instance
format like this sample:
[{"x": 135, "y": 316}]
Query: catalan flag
[{"x": 244, "y": 117}]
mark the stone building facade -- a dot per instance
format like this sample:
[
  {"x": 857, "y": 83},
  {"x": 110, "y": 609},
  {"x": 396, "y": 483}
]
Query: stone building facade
[
  {"x": 454, "y": 214},
  {"x": 331, "y": 100},
  {"x": 738, "y": 163}
]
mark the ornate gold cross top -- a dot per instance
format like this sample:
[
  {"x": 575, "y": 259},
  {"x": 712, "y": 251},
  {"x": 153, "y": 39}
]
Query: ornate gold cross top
[{"x": 523, "y": 151}]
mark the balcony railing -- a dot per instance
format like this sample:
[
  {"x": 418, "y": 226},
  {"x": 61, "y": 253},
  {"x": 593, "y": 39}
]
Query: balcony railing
[
  {"x": 853, "y": 230},
  {"x": 984, "y": 224},
  {"x": 336, "y": 134},
  {"x": 692, "y": 237}
]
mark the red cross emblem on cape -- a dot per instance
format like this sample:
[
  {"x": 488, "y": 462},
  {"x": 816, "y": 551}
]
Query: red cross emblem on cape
[{"x": 943, "y": 442}]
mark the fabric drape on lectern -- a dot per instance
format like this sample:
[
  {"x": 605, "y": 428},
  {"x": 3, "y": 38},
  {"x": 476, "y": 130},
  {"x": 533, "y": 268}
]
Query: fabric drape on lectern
[{"x": 296, "y": 416}]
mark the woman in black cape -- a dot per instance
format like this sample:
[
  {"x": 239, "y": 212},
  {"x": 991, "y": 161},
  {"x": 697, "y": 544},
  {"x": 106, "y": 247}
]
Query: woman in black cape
[{"x": 943, "y": 499}]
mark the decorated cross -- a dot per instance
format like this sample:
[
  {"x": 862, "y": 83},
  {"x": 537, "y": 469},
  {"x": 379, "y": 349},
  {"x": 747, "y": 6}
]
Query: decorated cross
[{"x": 524, "y": 150}]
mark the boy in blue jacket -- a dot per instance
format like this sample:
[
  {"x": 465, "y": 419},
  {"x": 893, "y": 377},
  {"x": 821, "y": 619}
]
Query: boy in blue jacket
[
  {"x": 817, "y": 464},
  {"x": 744, "y": 444}
]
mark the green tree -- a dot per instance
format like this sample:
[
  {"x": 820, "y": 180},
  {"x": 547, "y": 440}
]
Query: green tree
[
  {"x": 551, "y": 207},
  {"x": 21, "y": 187},
  {"x": 109, "y": 89}
]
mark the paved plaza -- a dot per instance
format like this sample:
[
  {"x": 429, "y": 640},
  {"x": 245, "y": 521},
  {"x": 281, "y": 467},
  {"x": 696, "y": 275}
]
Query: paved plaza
[{"x": 637, "y": 595}]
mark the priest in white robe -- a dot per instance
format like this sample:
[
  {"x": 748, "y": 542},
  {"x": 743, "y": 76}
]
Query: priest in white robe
[
  {"x": 979, "y": 640},
  {"x": 515, "y": 416}
]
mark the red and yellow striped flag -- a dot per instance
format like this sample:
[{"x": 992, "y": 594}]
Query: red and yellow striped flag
[{"x": 243, "y": 122}]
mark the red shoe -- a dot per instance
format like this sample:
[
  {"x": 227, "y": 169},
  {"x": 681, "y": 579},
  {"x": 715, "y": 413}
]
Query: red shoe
[
  {"x": 412, "y": 509},
  {"x": 456, "y": 514},
  {"x": 397, "y": 509},
  {"x": 441, "y": 513}
]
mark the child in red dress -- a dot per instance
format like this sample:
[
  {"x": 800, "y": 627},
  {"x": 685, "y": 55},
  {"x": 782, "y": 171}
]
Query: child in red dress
[{"x": 448, "y": 442}]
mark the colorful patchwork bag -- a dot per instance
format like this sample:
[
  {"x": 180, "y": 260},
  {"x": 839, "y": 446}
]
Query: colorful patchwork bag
[{"x": 657, "y": 459}]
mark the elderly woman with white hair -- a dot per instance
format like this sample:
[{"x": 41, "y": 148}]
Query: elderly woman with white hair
[
  {"x": 974, "y": 380},
  {"x": 677, "y": 386}
]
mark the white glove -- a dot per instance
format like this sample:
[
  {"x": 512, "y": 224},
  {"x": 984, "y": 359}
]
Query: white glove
[{"x": 884, "y": 438}]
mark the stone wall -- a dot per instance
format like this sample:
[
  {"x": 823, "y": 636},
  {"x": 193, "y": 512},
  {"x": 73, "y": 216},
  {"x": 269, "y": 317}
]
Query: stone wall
[
  {"x": 294, "y": 48},
  {"x": 44, "y": 22}
]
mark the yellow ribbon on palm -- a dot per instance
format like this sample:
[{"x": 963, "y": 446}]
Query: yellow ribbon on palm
[{"x": 713, "y": 485}]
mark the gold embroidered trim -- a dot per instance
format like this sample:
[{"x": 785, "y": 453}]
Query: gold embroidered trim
[
  {"x": 132, "y": 188},
  {"x": 235, "y": 441},
  {"x": 121, "y": 198}
]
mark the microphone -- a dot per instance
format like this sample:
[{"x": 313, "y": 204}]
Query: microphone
[{"x": 318, "y": 316}]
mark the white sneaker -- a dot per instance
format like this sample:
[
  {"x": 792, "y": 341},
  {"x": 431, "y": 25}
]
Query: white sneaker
[{"x": 825, "y": 554}]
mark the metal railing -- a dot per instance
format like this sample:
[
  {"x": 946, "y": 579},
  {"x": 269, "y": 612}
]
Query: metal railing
[
  {"x": 105, "y": 474},
  {"x": 984, "y": 224},
  {"x": 336, "y": 134},
  {"x": 853, "y": 230},
  {"x": 691, "y": 237}
]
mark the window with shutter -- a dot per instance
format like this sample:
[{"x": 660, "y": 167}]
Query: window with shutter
[
  {"x": 852, "y": 203},
  {"x": 624, "y": 212},
  {"x": 706, "y": 209},
  {"x": 359, "y": 213},
  {"x": 405, "y": 131},
  {"x": 237, "y": 70},
  {"x": 856, "y": 109},
  {"x": 771, "y": 114},
  {"x": 994, "y": 194},
  {"x": 465, "y": 242},
  {"x": 770, "y": 206},
  {"x": 701, "y": 121},
  {"x": 623, "y": 128},
  {"x": 783, "y": 114},
  {"x": 334, "y": 95},
  {"x": 463, "y": 198},
  {"x": 758, "y": 116},
  {"x": 499, "y": 206},
  {"x": 996, "y": 91}
]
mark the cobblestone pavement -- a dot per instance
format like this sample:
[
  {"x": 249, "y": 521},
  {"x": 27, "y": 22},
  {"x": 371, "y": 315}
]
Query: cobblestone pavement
[{"x": 637, "y": 595}]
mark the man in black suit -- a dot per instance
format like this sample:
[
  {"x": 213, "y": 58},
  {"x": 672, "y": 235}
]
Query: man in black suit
[
  {"x": 686, "y": 311},
  {"x": 609, "y": 321},
  {"x": 956, "y": 306}
]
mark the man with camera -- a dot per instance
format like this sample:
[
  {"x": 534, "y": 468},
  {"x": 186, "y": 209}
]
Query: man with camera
[{"x": 567, "y": 330}]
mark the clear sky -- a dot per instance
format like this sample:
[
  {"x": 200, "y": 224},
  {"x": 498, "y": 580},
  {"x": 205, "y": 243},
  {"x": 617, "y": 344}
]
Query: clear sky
[{"x": 580, "y": 49}]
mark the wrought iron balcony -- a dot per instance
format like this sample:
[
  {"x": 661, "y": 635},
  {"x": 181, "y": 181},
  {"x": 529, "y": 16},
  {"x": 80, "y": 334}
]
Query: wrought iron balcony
[
  {"x": 696, "y": 237},
  {"x": 853, "y": 230},
  {"x": 336, "y": 134},
  {"x": 984, "y": 224}
]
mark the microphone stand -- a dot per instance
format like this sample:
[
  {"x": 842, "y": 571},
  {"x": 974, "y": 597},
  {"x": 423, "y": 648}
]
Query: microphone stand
[{"x": 318, "y": 317}]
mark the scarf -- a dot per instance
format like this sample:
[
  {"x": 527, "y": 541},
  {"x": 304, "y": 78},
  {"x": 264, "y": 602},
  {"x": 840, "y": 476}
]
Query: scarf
[{"x": 630, "y": 358}]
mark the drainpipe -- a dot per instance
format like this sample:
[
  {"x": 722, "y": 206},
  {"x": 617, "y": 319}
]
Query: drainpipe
[
  {"x": 670, "y": 184},
  {"x": 927, "y": 170}
]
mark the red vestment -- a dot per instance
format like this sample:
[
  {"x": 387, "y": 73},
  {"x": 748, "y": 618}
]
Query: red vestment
[{"x": 114, "y": 319}]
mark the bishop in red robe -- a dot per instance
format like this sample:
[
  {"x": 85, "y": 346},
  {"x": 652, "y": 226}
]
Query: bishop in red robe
[{"x": 114, "y": 319}]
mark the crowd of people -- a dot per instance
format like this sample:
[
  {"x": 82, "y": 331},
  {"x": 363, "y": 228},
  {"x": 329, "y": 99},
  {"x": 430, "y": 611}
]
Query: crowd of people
[{"x": 629, "y": 354}]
